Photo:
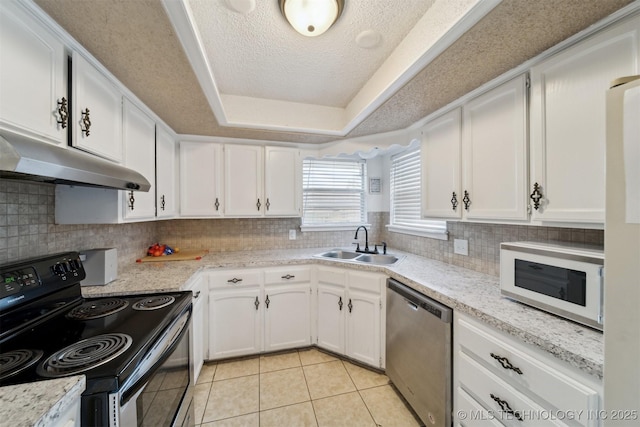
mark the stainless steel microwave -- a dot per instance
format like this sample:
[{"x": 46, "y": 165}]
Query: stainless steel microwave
[{"x": 561, "y": 279}]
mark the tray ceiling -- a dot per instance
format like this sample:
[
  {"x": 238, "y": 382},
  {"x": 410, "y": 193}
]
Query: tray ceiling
[{"x": 252, "y": 76}]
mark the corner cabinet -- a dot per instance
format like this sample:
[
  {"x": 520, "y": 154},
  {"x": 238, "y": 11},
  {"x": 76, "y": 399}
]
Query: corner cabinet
[
  {"x": 499, "y": 380},
  {"x": 568, "y": 121},
  {"x": 262, "y": 181},
  {"x": 33, "y": 83},
  {"x": 200, "y": 179},
  {"x": 97, "y": 111},
  {"x": 474, "y": 159},
  {"x": 350, "y": 314}
]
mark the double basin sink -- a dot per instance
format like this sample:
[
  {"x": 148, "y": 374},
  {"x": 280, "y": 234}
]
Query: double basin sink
[{"x": 358, "y": 257}]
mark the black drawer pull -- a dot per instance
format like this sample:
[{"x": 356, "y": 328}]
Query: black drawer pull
[
  {"x": 234, "y": 280},
  {"x": 506, "y": 364},
  {"x": 504, "y": 405},
  {"x": 288, "y": 276}
]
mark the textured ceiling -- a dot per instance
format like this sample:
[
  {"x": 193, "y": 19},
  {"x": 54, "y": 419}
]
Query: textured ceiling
[{"x": 136, "y": 42}]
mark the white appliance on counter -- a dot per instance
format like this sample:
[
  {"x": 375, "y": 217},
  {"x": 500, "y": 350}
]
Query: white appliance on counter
[
  {"x": 563, "y": 279},
  {"x": 622, "y": 249}
]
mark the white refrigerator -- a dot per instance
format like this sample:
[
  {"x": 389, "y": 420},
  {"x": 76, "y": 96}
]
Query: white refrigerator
[{"x": 622, "y": 252}]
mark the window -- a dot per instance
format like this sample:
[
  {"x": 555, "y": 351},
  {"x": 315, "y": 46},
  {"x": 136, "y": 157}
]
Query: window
[
  {"x": 405, "y": 198},
  {"x": 333, "y": 193}
]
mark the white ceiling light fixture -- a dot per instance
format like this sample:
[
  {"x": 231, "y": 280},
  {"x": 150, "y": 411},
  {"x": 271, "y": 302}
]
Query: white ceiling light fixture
[{"x": 311, "y": 17}]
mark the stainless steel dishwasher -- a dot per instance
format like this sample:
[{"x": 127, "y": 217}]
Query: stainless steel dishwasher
[{"x": 419, "y": 352}]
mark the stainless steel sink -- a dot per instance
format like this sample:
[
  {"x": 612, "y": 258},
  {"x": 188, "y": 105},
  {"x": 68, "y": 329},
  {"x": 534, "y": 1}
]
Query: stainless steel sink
[
  {"x": 339, "y": 254},
  {"x": 342, "y": 255},
  {"x": 377, "y": 258}
]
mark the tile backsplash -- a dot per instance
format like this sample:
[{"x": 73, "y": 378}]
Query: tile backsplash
[{"x": 27, "y": 228}]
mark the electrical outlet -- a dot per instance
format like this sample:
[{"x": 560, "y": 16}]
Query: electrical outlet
[
  {"x": 461, "y": 247},
  {"x": 292, "y": 234}
]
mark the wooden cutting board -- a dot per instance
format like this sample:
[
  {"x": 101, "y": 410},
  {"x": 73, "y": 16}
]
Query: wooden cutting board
[{"x": 183, "y": 255}]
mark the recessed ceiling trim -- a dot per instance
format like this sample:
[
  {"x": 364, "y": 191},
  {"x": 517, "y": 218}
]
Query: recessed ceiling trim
[
  {"x": 441, "y": 26},
  {"x": 185, "y": 27}
]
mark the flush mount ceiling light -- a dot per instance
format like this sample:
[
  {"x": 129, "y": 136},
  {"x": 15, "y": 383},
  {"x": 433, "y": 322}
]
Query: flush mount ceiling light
[{"x": 311, "y": 17}]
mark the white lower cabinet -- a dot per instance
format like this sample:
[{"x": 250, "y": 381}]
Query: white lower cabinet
[
  {"x": 498, "y": 379},
  {"x": 199, "y": 322},
  {"x": 251, "y": 311},
  {"x": 349, "y": 307}
]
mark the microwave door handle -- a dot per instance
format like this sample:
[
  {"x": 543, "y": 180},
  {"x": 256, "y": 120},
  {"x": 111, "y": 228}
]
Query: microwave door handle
[{"x": 601, "y": 309}]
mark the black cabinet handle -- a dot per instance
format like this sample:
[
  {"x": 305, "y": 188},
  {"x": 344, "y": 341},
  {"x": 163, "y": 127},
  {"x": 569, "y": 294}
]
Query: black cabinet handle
[
  {"x": 63, "y": 112},
  {"x": 132, "y": 200},
  {"x": 85, "y": 125},
  {"x": 536, "y": 196},
  {"x": 466, "y": 200},
  {"x": 267, "y": 301},
  {"x": 504, "y": 405},
  {"x": 258, "y": 204},
  {"x": 234, "y": 280},
  {"x": 506, "y": 364},
  {"x": 217, "y": 204},
  {"x": 268, "y": 204},
  {"x": 350, "y": 305},
  {"x": 162, "y": 202},
  {"x": 340, "y": 303},
  {"x": 288, "y": 277},
  {"x": 454, "y": 201},
  {"x": 256, "y": 303}
]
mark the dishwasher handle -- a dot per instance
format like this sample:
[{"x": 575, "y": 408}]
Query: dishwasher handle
[{"x": 416, "y": 299}]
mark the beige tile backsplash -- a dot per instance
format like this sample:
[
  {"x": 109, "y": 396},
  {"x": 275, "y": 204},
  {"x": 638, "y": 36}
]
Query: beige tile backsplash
[{"x": 27, "y": 229}]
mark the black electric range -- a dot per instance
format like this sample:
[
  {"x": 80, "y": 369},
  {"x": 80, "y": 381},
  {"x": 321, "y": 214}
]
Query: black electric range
[{"x": 125, "y": 346}]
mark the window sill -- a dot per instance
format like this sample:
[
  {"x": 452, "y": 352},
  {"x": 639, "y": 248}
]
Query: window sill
[
  {"x": 439, "y": 235},
  {"x": 332, "y": 227}
]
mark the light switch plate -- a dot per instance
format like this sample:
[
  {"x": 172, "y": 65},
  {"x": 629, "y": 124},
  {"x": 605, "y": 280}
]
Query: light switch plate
[
  {"x": 292, "y": 234},
  {"x": 461, "y": 247}
]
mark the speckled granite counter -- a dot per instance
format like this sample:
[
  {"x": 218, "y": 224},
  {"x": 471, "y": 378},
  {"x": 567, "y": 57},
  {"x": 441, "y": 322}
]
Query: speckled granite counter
[
  {"x": 39, "y": 404},
  {"x": 464, "y": 290}
]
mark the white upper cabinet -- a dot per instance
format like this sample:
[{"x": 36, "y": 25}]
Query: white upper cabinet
[
  {"x": 568, "y": 123},
  {"x": 139, "y": 136},
  {"x": 494, "y": 146},
  {"x": 97, "y": 112},
  {"x": 474, "y": 162},
  {"x": 166, "y": 197},
  {"x": 282, "y": 181},
  {"x": 440, "y": 151},
  {"x": 257, "y": 181},
  {"x": 33, "y": 87},
  {"x": 243, "y": 174},
  {"x": 201, "y": 179}
]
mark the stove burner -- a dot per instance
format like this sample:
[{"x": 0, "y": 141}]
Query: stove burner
[
  {"x": 85, "y": 355},
  {"x": 96, "y": 309},
  {"x": 16, "y": 361},
  {"x": 154, "y": 302}
]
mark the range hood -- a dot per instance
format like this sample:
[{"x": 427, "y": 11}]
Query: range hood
[{"x": 26, "y": 159}]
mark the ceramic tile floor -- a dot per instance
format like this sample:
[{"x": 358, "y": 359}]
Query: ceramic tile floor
[{"x": 297, "y": 389}]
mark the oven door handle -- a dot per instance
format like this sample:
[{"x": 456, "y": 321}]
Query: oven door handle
[{"x": 159, "y": 352}]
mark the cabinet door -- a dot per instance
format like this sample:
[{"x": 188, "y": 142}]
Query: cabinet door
[
  {"x": 440, "y": 156},
  {"x": 139, "y": 136},
  {"x": 243, "y": 180},
  {"x": 32, "y": 76},
  {"x": 287, "y": 316},
  {"x": 166, "y": 198},
  {"x": 282, "y": 181},
  {"x": 235, "y": 322},
  {"x": 200, "y": 179},
  {"x": 97, "y": 112},
  {"x": 363, "y": 326},
  {"x": 568, "y": 123},
  {"x": 494, "y": 148},
  {"x": 332, "y": 305}
]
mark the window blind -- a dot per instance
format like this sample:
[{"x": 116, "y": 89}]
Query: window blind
[
  {"x": 333, "y": 192},
  {"x": 405, "y": 185}
]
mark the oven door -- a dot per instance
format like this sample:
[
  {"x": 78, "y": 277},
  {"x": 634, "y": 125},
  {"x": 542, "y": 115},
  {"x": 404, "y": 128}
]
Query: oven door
[{"x": 165, "y": 397}]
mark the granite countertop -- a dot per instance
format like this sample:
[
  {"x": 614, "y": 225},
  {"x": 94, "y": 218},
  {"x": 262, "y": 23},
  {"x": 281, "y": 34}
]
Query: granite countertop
[
  {"x": 464, "y": 290},
  {"x": 39, "y": 404}
]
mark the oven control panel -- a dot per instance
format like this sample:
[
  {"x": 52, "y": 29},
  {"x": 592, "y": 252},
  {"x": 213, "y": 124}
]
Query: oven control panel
[{"x": 18, "y": 280}]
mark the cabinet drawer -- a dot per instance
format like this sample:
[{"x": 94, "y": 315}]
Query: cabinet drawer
[
  {"x": 505, "y": 359},
  {"x": 332, "y": 275},
  {"x": 506, "y": 403},
  {"x": 371, "y": 282},
  {"x": 470, "y": 413},
  {"x": 238, "y": 278},
  {"x": 287, "y": 275}
]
